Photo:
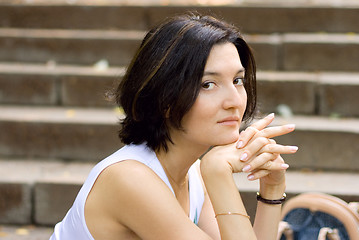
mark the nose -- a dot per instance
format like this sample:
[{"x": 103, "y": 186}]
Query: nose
[{"x": 234, "y": 97}]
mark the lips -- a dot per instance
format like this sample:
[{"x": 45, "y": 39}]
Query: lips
[{"x": 229, "y": 120}]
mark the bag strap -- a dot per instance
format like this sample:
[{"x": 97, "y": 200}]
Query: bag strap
[
  {"x": 285, "y": 229},
  {"x": 325, "y": 232}
]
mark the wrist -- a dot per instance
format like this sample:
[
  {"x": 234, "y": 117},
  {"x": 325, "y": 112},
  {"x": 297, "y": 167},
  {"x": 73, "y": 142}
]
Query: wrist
[
  {"x": 272, "y": 191},
  {"x": 271, "y": 201},
  {"x": 214, "y": 169}
]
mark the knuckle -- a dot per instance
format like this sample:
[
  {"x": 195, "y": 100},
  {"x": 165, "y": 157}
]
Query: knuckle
[
  {"x": 269, "y": 156},
  {"x": 265, "y": 131},
  {"x": 267, "y": 164},
  {"x": 262, "y": 140},
  {"x": 271, "y": 147},
  {"x": 253, "y": 129}
]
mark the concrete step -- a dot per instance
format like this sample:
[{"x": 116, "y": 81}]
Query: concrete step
[
  {"x": 53, "y": 132},
  {"x": 69, "y": 46},
  {"x": 58, "y": 85},
  {"x": 25, "y": 232},
  {"x": 53, "y": 185},
  {"x": 298, "y": 16},
  {"x": 91, "y": 134},
  {"x": 289, "y": 51},
  {"x": 324, "y": 143},
  {"x": 310, "y": 93},
  {"x": 40, "y": 192}
]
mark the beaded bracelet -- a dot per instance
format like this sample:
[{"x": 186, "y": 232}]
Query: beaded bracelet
[
  {"x": 233, "y": 213},
  {"x": 268, "y": 201}
]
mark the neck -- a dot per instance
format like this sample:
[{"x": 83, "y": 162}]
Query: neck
[{"x": 177, "y": 160}]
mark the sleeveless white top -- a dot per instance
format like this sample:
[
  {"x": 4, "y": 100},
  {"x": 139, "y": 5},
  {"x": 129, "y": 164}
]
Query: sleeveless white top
[{"x": 73, "y": 226}]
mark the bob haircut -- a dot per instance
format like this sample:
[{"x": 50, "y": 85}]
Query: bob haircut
[{"x": 164, "y": 78}]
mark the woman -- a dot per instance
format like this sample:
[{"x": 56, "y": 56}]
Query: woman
[{"x": 188, "y": 88}]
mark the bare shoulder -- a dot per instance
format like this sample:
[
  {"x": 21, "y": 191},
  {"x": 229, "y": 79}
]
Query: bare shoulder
[
  {"x": 127, "y": 182},
  {"x": 131, "y": 197}
]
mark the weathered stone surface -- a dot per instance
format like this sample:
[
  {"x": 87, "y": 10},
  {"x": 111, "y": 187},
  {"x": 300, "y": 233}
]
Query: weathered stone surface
[
  {"x": 72, "y": 16},
  {"x": 58, "y": 85},
  {"x": 325, "y": 52},
  {"x": 57, "y": 140},
  {"x": 339, "y": 94},
  {"x": 299, "y": 95},
  {"x": 69, "y": 50},
  {"x": 9, "y": 232},
  {"x": 15, "y": 203},
  {"x": 27, "y": 89},
  {"x": 40, "y": 190},
  {"x": 76, "y": 134},
  {"x": 88, "y": 91},
  {"x": 273, "y": 19},
  {"x": 52, "y": 201},
  {"x": 266, "y": 50},
  {"x": 329, "y": 145}
]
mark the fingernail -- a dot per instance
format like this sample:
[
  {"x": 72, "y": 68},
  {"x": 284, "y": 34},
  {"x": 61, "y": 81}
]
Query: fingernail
[
  {"x": 285, "y": 166},
  {"x": 246, "y": 168},
  {"x": 244, "y": 156},
  {"x": 270, "y": 115},
  {"x": 290, "y": 126},
  {"x": 239, "y": 144},
  {"x": 250, "y": 177},
  {"x": 293, "y": 148}
]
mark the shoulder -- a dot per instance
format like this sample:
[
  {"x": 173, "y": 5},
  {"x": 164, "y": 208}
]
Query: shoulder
[
  {"x": 127, "y": 185},
  {"x": 131, "y": 194},
  {"x": 129, "y": 175}
]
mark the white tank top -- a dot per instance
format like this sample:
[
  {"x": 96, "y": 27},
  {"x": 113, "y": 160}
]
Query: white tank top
[{"x": 73, "y": 226}]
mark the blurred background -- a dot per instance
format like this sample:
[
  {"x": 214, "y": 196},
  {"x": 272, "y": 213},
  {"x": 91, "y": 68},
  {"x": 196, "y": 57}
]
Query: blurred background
[{"x": 60, "y": 58}]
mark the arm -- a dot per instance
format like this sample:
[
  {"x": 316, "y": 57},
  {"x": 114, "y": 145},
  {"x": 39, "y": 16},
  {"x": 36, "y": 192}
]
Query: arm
[
  {"x": 217, "y": 176},
  {"x": 272, "y": 181},
  {"x": 262, "y": 155}
]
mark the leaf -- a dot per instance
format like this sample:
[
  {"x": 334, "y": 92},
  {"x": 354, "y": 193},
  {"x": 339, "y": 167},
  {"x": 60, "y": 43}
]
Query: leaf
[{"x": 22, "y": 231}]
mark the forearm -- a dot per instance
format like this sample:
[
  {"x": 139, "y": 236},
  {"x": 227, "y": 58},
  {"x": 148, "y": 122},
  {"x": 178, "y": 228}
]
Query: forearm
[
  {"x": 268, "y": 215},
  {"x": 225, "y": 198}
]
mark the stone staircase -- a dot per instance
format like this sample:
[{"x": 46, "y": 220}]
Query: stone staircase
[{"x": 58, "y": 61}]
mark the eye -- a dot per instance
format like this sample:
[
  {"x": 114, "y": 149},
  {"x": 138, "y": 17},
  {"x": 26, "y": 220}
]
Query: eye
[
  {"x": 208, "y": 85},
  {"x": 238, "y": 81}
]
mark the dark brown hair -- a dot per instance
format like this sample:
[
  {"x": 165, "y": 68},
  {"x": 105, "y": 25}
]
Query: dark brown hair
[{"x": 164, "y": 78}]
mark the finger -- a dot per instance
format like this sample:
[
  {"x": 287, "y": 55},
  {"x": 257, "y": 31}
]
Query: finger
[
  {"x": 263, "y": 161},
  {"x": 280, "y": 149},
  {"x": 250, "y": 131},
  {"x": 264, "y": 172},
  {"x": 253, "y": 148},
  {"x": 276, "y": 131},
  {"x": 264, "y": 122},
  {"x": 257, "y": 175}
]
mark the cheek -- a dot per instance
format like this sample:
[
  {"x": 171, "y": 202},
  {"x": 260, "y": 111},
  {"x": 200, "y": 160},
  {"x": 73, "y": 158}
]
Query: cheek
[{"x": 200, "y": 111}]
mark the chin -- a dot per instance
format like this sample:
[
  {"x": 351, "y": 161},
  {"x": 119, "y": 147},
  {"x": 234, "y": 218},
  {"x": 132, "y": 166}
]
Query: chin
[{"x": 228, "y": 139}]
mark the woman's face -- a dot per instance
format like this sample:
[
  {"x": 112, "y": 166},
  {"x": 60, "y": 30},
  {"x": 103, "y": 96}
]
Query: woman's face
[{"x": 215, "y": 117}]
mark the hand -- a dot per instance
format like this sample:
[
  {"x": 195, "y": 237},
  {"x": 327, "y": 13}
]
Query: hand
[
  {"x": 258, "y": 155},
  {"x": 267, "y": 161}
]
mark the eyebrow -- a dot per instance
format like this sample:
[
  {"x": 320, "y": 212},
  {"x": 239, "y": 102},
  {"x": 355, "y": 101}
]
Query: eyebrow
[{"x": 206, "y": 73}]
